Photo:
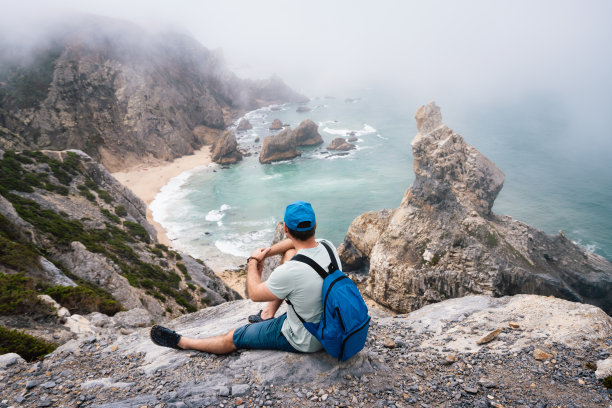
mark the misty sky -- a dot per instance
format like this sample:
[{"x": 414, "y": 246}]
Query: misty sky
[{"x": 471, "y": 48}]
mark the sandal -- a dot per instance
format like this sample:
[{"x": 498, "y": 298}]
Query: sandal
[
  {"x": 257, "y": 318},
  {"x": 165, "y": 337}
]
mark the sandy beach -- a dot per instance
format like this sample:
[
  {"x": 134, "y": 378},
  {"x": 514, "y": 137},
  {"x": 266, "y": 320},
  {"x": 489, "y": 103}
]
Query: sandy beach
[{"x": 147, "y": 180}]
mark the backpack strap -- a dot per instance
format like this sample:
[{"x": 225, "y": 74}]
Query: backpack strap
[
  {"x": 333, "y": 263},
  {"x": 310, "y": 262}
]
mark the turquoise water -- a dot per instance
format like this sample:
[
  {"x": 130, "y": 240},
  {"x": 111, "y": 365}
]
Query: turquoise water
[{"x": 221, "y": 214}]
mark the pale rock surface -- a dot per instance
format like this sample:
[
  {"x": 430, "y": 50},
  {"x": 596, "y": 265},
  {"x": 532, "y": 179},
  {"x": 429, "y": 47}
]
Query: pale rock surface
[
  {"x": 604, "y": 368},
  {"x": 443, "y": 241},
  {"x": 10, "y": 359}
]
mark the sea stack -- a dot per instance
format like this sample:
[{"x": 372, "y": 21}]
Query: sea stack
[
  {"x": 225, "y": 149},
  {"x": 444, "y": 241},
  {"x": 307, "y": 134},
  {"x": 281, "y": 146}
]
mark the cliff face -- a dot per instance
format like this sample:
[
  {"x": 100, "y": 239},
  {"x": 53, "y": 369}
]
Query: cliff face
[
  {"x": 122, "y": 95},
  {"x": 444, "y": 241},
  {"x": 65, "y": 219}
]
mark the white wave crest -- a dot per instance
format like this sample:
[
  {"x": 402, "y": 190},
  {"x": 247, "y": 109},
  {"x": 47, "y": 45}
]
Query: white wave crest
[
  {"x": 366, "y": 130},
  {"x": 217, "y": 215},
  {"x": 243, "y": 245}
]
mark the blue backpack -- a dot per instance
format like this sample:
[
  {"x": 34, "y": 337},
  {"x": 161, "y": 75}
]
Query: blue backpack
[{"x": 344, "y": 324}]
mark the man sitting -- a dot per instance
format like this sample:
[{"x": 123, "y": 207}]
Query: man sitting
[{"x": 292, "y": 280}]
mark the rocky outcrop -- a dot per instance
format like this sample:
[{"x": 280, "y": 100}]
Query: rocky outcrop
[
  {"x": 121, "y": 94},
  {"x": 244, "y": 125},
  {"x": 307, "y": 134},
  {"x": 225, "y": 149},
  {"x": 281, "y": 146},
  {"x": 430, "y": 356},
  {"x": 92, "y": 229},
  {"x": 444, "y": 241},
  {"x": 340, "y": 143},
  {"x": 276, "y": 125},
  {"x": 302, "y": 109}
]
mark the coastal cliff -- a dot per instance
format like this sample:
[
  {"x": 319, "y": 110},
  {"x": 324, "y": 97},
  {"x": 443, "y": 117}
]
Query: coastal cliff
[
  {"x": 444, "y": 241},
  {"x": 121, "y": 94},
  {"x": 68, "y": 228}
]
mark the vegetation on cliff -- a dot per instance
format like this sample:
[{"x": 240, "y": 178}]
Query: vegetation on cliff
[{"x": 119, "y": 238}]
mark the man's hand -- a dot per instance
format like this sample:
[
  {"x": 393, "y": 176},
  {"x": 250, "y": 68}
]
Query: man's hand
[
  {"x": 257, "y": 290},
  {"x": 260, "y": 254}
]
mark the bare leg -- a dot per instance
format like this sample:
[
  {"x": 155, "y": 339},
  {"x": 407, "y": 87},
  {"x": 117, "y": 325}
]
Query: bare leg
[
  {"x": 222, "y": 344},
  {"x": 271, "y": 307}
]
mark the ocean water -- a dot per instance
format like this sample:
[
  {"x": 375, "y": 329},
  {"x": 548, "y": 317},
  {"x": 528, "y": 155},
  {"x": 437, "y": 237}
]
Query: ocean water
[{"x": 553, "y": 182}]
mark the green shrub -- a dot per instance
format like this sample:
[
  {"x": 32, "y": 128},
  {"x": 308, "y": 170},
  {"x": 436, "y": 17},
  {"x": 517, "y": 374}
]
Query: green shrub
[
  {"x": 137, "y": 231},
  {"x": 120, "y": 211},
  {"x": 11, "y": 174},
  {"x": 82, "y": 300},
  {"x": 17, "y": 296},
  {"x": 28, "y": 347},
  {"x": 105, "y": 196},
  {"x": 64, "y": 231},
  {"x": 16, "y": 253},
  {"x": 110, "y": 215}
]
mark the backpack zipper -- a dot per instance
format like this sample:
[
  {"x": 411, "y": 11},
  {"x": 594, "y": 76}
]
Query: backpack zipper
[
  {"x": 340, "y": 318},
  {"x": 347, "y": 337},
  {"x": 325, "y": 300}
]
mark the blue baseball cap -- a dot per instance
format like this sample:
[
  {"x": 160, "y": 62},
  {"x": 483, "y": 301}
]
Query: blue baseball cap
[{"x": 299, "y": 212}]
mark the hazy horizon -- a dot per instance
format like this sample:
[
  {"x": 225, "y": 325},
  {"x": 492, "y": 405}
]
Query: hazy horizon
[{"x": 466, "y": 56}]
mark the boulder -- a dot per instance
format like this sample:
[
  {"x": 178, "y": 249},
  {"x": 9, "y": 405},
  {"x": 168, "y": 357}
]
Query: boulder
[
  {"x": 307, "y": 134},
  {"x": 276, "y": 125},
  {"x": 281, "y": 146},
  {"x": 244, "y": 125},
  {"x": 340, "y": 144},
  {"x": 444, "y": 241},
  {"x": 302, "y": 109},
  {"x": 225, "y": 149}
]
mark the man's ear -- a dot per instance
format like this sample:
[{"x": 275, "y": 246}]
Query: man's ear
[{"x": 286, "y": 229}]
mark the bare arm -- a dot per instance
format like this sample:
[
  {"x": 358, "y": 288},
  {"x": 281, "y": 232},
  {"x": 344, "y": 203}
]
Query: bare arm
[
  {"x": 280, "y": 247},
  {"x": 257, "y": 290}
]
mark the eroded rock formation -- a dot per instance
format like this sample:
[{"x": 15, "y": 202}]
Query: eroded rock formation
[
  {"x": 281, "y": 146},
  {"x": 244, "y": 125},
  {"x": 444, "y": 241},
  {"x": 225, "y": 149},
  {"x": 121, "y": 94},
  {"x": 276, "y": 125},
  {"x": 340, "y": 143},
  {"x": 307, "y": 134}
]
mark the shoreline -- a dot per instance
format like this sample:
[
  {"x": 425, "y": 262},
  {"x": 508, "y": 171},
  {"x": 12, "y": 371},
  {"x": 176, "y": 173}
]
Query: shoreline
[{"x": 146, "y": 181}]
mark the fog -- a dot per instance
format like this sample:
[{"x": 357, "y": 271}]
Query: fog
[{"x": 464, "y": 53}]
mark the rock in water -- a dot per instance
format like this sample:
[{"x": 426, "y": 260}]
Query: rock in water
[
  {"x": 225, "y": 150},
  {"x": 341, "y": 144},
  {"x": 307, "y": 134},
  {"x": 281, "y": 146},
  {"x": 444, "y": 241},
  {"x": 276, "y": 125},
  {"x": 244, "y": 125}
]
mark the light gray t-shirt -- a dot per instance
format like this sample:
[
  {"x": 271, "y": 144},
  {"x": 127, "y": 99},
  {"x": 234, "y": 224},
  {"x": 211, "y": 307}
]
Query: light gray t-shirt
[{"x": 302, "y": 286}]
